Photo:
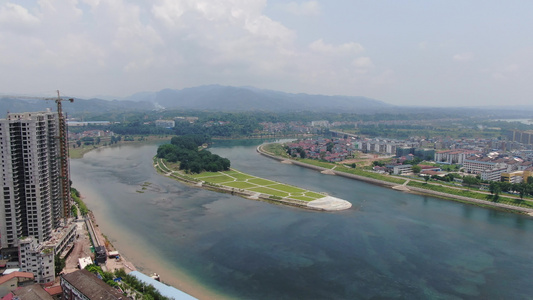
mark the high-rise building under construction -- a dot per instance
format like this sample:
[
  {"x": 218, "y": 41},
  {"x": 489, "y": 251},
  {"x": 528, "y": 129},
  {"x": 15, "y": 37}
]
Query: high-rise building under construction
[{"x": 32, "y": 202}]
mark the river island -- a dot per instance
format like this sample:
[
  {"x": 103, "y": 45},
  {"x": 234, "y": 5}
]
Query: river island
[{"x": 185, "y": 161}]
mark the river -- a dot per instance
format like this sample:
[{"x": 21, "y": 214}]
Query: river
[{"x": 388, "y": 245}]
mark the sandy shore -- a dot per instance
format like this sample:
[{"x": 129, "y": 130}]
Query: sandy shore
[{"x": 139, "y": 256}]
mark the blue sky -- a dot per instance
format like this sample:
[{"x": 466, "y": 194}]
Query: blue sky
[{"x": 432, "y": 53}]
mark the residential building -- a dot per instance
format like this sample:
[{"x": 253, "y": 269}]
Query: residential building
[
  {"x": 492, "y": 174},
  {"x": 477, "y": 166},
  {"x": 31, "y": 292},
  {"x": 524, "y": 137},
  {"x": 456, "y": 156},
  {"x": 84, "y": 285},
  {"x": 14, "y": 280},
  {"x": 401, "y": 169},
  {"x": 513, "y": 177},
  {"x": 37, "y": 259},
  {"x": 165, "y": 123},
  {"x": 35, "y": 196}
]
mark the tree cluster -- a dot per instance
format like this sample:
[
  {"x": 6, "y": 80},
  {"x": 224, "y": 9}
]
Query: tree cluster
[
  {"x": 522, "y": 189},
  {"x": 185, "y": 151},
  {"x": 147, "y": 290}
]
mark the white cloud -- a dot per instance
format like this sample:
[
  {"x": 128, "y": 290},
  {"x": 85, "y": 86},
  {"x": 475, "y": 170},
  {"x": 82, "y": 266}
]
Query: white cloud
[
  {"x": 308, "y": 8},
  {"x": 121, "y": 47},
  {"x": 16, "y": 17},
  {"x": 463, "y": 57},
  {"x": 343, "y": 49}
]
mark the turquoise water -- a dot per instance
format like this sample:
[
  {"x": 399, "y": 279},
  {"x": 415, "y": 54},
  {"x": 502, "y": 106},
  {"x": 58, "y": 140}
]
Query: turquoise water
[{"x": 390, "y": 245}]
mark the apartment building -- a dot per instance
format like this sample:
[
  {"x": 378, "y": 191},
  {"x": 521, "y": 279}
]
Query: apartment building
[
  {"x": 33, "y": 182},
  {"x": 456, "y": 156}
]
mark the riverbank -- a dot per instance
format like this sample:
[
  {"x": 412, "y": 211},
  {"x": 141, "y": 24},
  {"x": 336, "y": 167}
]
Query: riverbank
[
  {"x": 133, "y": 256},
  {"x": 402, "y": 187},
  {"x": 76, "y": 152}
]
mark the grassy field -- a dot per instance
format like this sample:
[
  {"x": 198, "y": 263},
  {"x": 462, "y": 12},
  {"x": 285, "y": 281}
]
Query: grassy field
[
  {"x": 471, "y": 194},
  {"x": 276, "y": 149},
  {"x": 242, "y": 181},
  {"x": 342, "y": 168}
]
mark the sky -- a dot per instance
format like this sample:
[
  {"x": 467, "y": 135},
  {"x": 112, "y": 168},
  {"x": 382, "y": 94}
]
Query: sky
[{"x": 428, "y": 53}]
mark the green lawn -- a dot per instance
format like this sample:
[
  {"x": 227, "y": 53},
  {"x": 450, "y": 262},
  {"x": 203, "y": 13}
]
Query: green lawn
[
  {"x": 240, "y": 176},
  {"x": 287, "y": 188},
  {"x": 261, "y": 181},
  {"x": 265, "y": 190},
  {"x": 240, "y": 185},
  {"x": 216, "y": 179},
  {"x": 314, "y": 195},
  {"x": 205, "y": 174}
]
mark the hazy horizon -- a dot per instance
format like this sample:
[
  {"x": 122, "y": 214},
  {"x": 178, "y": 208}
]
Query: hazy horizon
[{"x": 413, "y": 53}]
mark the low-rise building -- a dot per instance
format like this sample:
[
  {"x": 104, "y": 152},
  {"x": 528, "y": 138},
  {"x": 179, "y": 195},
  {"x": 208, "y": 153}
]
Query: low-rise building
[
  {"x": 477, "y": 166},
  {"x": 492, "y": 174},
  {"x": 401, "y": 169},
  {"x": 83, "y": 284},
  {"x": 14, "y": 280},
  {"x": 456, "y": 156},
  {"x": 37, "y": 259},
  {"x": 513, "y": 177},
  {"x": 165, "y": 123}
]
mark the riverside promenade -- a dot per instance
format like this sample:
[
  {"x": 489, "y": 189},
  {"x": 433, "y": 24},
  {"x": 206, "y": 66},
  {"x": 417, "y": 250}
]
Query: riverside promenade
[{"x": 403, "y": 188}]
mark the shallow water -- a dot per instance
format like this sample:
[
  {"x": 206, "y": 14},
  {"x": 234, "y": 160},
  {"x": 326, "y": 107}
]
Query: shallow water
[{"x": 389, "y": 245}]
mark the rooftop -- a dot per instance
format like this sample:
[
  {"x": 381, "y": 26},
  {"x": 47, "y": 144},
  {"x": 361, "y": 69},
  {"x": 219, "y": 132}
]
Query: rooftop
[
  {"x": 165, "y": 290},
  {"x": 91, "y": 286}
]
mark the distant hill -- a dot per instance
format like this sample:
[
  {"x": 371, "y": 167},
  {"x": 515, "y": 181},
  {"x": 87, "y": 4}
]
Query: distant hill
[
  {"x": 79, "y": 106},
  {"x": 227, "y": 98}
]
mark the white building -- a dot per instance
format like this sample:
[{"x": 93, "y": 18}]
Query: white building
[
  {"x": 456, "y": 156},
  {"x": 401, "y": 169},
  {"x": 492, "y": 174},
  {"x": 37, "y": 259},
  {"x": 165, "y": 123}
]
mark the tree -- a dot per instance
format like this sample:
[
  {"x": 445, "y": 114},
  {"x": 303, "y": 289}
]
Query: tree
[
  {"x": 416, "y": 169},
  {"x": 426, "y": 178},
  {"x": 377, "y": 163},
  {"x": 470, "y": 180},
  {"x": 60, "y": 264},
  {"x": 522, "y": 189},
  {"x": 495, "y": 189}
]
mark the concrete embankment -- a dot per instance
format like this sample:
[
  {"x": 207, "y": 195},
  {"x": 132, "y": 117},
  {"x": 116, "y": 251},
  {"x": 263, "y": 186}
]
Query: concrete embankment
[
  {"x": 404, "y": 188},
  {"x": 473, "y": 200}
]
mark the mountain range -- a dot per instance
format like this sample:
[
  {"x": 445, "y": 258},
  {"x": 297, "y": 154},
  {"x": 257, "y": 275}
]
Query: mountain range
[{"x": 228, "y": 99}]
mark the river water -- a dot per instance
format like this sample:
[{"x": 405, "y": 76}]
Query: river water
[{"x": 390, "y": 244}]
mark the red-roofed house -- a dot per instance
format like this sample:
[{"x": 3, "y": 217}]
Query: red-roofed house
[{"x": 14, "y": 280}]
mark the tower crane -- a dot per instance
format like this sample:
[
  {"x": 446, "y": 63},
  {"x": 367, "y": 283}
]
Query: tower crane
[{"x": 63, "y": 150}]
